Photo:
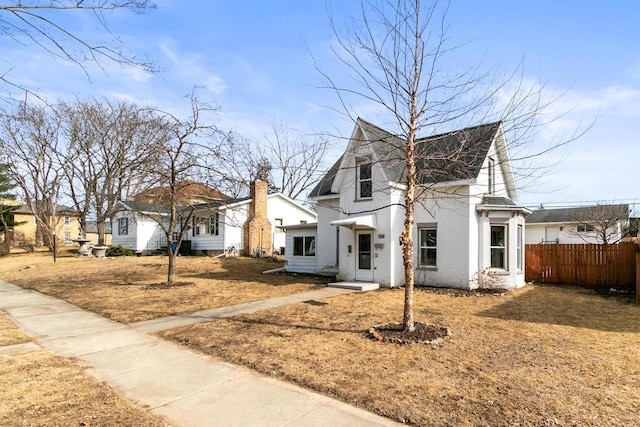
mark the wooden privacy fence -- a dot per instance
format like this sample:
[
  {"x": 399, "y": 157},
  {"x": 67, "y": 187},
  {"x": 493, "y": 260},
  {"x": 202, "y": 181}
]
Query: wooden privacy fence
[{"x": 597, "y": 266}]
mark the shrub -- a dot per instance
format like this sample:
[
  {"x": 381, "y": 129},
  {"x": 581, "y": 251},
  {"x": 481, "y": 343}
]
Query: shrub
[{"x": 118, "y": 250}]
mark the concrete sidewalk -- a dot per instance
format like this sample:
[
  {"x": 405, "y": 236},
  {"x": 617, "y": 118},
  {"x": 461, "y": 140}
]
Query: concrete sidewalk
[
  {"x": 188, "y": 388},
  {"x": 170, "y": 322}
]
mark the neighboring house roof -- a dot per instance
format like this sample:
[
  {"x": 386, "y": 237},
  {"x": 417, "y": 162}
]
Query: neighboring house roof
[
  {"x": 451, "y": 156},
  {"x": 60, "y": 209},
  {"x": 92, "y": 227},
  {"x": 218, "y": 204},
  {"x": 188, "y": 192},
  {"x": 143, "y": 207},
  {"x": 564, "y": 215}
]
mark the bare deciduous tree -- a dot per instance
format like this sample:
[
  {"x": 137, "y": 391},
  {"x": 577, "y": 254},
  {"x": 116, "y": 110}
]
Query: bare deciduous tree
[
  {"x": 291, "y": 162},
  {"x": 110, "y": 146},
  {"x": 30, "y": 138},
  {"x": 191, "y": 149},
  {"x": 396, "y": 57},
  {"x": 40, "y": 25},
  {"x": 605, "y": 223}
]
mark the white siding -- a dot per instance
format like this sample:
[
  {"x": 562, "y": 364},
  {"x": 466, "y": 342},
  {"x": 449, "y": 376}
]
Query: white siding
[
  {"x": 326, "y": 242},
  {"x": 566, "y": 234},
  {"x": 299, "y": 264},
  {"x": 453, "y": 247},
  {"x": 125, "y": 240},
  {"x": 143, "y": 234},
  {"x": 279, "y": 206}
]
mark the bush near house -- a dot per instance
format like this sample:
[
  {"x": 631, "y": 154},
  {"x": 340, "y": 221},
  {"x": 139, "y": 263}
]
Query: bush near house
[{"x": 118, "y": 250}]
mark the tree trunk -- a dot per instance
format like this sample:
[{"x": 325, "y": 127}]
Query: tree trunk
[
  {"x": 171, "y": 274},
  {"x": 407, "y": 233},
  {"x": 100, "y": 229}
]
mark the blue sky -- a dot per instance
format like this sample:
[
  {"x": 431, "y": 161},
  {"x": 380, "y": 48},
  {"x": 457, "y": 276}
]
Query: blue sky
[{"x": 253, "y": 58}]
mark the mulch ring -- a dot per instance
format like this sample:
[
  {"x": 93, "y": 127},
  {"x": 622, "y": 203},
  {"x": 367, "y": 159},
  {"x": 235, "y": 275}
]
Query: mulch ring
[
  {"x": 423, "y": 333},
  {"x": 165, "y": 285},
  {"x": 464, "y": 292}
]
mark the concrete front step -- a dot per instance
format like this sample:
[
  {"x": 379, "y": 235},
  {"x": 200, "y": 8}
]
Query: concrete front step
[{"x": 358, "y": 286}]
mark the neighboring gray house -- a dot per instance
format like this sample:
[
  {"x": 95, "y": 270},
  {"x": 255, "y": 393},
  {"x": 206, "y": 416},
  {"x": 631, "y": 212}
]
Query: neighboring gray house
[
  {"x": 466, "y": 223},
  {"x": 589, "y": 224}
]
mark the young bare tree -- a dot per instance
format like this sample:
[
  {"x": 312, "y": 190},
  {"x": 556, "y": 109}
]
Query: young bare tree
[
  {"x": 396, "y": 57},
  {"x": 41, "y": 25},
  {"x": 191, "y": 149},
  {"x": 606, "y": 224},
  {"x": 30, "y": 139},
  {"x": 111, "y": 145}
]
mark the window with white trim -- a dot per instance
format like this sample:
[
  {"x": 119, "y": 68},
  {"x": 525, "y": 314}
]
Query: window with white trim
[
  {"x": 304, "y": 246},
  {"x": 67, "y": 237},
  {"x": 427, "y": 255},
  {"x": 519, "y": 248},
  {"x": 67, "y": 220},
  {"x": 499, "y": 246},
  {"x": 365, "y": 180},
  {"x": 123, "y": 226},
  {"x": 213, "y": 226},
  {"x": 492, "y": 176},
  {"x": 585, "y": 228}
]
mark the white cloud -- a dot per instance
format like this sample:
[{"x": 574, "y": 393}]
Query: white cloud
[{"x": 192, "y": 68}]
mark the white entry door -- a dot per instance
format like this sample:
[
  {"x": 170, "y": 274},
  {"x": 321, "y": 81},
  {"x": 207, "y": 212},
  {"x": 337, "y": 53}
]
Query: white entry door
[{"x": 364, "y": 255}]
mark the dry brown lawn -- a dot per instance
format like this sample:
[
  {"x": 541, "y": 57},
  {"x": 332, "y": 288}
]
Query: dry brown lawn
[
  {"x": 115, "y": 288},
  {"x": 538, "y": 356},
  {"x": 40, "y": 389},
  {"x": 10, "y": 334}
]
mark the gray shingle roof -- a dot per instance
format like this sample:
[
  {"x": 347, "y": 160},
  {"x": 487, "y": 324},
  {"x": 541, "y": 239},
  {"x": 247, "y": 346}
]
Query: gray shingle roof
[
  {"x": 92, "y": 227},
  {"x": 146, "y": 207},
  {"x": 497, "y": 201},
  {"x": 574, "y": 214},
  {"x": 450, "y": 156}
]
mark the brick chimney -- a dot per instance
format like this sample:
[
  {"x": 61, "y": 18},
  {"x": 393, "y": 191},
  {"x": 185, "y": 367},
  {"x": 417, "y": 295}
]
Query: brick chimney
[{"x": 257, "y": 228}]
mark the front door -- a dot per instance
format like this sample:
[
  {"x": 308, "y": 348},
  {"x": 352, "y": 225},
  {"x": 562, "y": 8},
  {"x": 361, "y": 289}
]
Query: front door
[{"x": 364, "y": 260}]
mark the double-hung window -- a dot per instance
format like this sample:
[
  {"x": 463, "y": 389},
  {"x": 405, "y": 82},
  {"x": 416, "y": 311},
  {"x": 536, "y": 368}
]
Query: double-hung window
[
  {"x": 428, "y": 247},
  {"x": 365, "y": 180},
  {"x": 585, "y": 228},
  {"x": 123, "y": 226},
  {"x": 213, "y": 225},
  {"x": 519, "y": 251},
  {"x": 67, "y": 220},
  {"x": 499, "y": 246}
]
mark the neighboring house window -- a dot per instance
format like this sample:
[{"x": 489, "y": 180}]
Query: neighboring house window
[
  {"x": 365, "y": 181},
  {"x": 175, "y": 236},
  {"x": 519, "y": 249},
  {"x": 428, "y": 247},
  {"x": 304, "y": 246},
  {"x": 492, "y": 176},
  {"x": 67, "y": 220},
  {"x": 195, "y": 226},
  {"x": 585, "y": 228},
  {"x": 123, "y": 226},
  {"x": 214, "y": 224},
  {"x": 67, "y": 236},
  {"x": 498, "y": 246}
]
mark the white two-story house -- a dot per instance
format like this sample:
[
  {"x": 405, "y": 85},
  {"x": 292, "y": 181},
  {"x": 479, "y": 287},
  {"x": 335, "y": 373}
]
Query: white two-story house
[{"x": 467, "y": 232}]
